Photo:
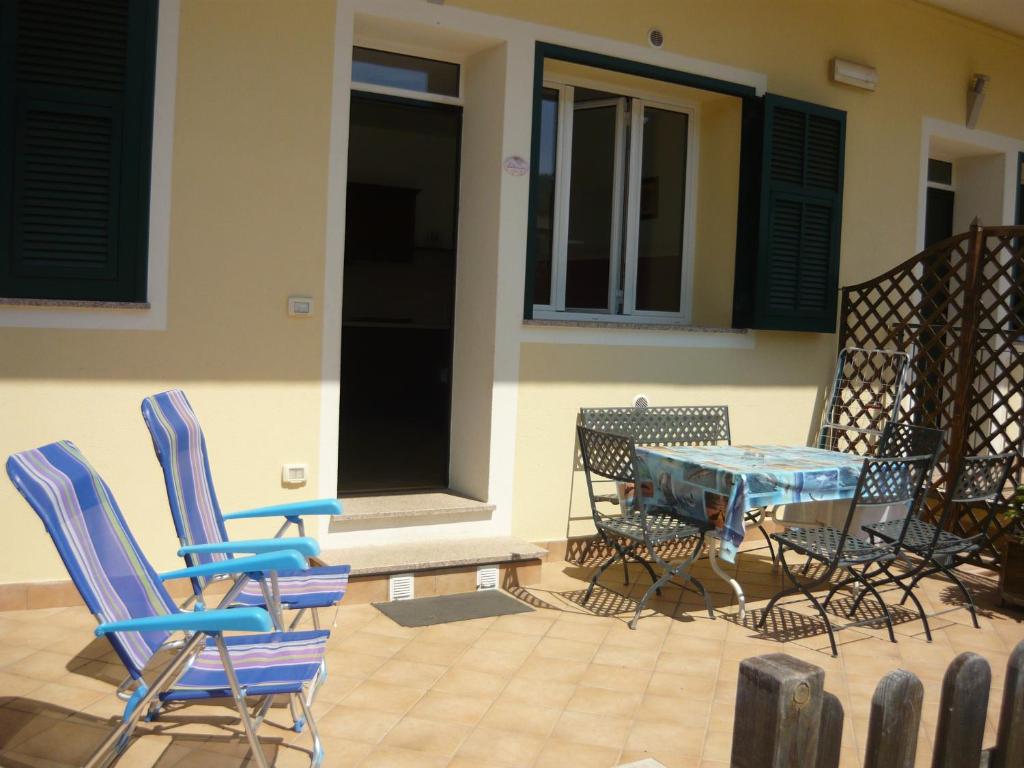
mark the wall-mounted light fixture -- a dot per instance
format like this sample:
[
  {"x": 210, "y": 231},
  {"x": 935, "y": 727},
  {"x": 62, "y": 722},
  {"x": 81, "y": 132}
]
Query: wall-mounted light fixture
[
  {"x": 857, "y": 75},
  {"x": 975, "y": 98}
]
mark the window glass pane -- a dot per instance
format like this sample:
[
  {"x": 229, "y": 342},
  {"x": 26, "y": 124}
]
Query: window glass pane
[
  {"x": 662, "y": 200},
  {"x": 545, "y": 211},
  {"x": 940, "y": 172},
  {"x": 410, "y": 73},
  {"x": 591, "y": 198}
]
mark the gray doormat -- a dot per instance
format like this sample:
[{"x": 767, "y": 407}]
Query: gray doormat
[{"x": 426, "y": 611}]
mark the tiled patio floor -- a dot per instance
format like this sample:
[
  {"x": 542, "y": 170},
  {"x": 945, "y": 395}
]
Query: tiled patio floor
[{"x": 558, "y": 687}]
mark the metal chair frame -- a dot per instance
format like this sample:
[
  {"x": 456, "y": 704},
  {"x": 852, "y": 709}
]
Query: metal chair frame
[
  {"x": 883, "y": 481},
  {"x": 612, "y": 457},
  {"x": 665, "y": 426},
  {"x": 981, "y": 479},
  {"x": 864, "y": 395}
]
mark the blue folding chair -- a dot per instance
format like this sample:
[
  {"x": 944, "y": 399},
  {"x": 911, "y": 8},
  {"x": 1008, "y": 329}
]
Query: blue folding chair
[
  {"x": 181, "y": 450},
  {"x": 138, "y": 616}
]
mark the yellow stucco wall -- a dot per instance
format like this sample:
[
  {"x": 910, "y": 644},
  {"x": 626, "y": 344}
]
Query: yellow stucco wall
[
  {"x": 249, "y": 202},
  {"x": 249, "y": 185},
  {"x": 924, "y": 58}
]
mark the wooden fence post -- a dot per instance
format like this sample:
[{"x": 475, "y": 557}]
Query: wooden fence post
[
  {"x": 895, "y": 719},
  {"x": 778, "y": 713},
  {"x": 830, "y": 731},
  {"x": 1009, "y": 750},
  {"x": 962, "y": 709}
]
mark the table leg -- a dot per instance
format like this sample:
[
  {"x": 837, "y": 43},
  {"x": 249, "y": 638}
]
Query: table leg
[{"x": 712, "y": 544}]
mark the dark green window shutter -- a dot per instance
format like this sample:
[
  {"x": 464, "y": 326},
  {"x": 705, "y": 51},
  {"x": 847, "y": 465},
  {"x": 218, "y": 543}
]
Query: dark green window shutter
[
  {"x": 76, "y": 108},
  {"x": 794, "y": 276}
]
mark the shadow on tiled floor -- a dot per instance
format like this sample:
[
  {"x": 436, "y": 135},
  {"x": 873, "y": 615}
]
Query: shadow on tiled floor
[{"x": 565, "y": 685}]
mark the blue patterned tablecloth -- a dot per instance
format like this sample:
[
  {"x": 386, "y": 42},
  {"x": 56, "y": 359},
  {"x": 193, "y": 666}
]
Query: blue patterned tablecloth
[{"x": 721, "y": 482}]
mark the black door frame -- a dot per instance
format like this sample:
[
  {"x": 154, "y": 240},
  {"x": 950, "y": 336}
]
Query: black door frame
[{"x": 456, "y": 109}]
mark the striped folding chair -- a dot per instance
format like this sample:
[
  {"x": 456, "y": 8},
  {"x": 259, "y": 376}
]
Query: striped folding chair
[
  {"x": 138, "y": 616},
  {"x": 181, "y": 450}
]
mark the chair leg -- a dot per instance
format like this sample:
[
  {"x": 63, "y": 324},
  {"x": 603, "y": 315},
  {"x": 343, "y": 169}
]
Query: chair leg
[
  {"x": 618, "y": 555},
  {"x": 885, "y": 609},
  {"x": 968, "y": 597},
  {"x": 704, "y": 593},
  {"x": 920, "y": 610},
  {"x": 647, "y": 596},
  {"x": 239, "y": 697},
  {"x": 768, "y": 540},
  {"x": 318, "y": 749},
  {"x": 835, "y": 588},
  {"x": 824, "y": 616}
]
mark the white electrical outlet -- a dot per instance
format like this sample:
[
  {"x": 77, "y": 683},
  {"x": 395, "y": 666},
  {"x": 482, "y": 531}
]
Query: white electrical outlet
[{"x": 294, "y": 474}]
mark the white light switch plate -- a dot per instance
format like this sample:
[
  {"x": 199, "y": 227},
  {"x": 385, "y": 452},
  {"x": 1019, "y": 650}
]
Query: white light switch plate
[
  {"x": 294, "y": 474},
  {"x": 300, "y": 306}
]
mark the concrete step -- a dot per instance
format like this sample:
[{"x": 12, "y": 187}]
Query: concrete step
[
  {"x": 440, "y": 567},
  {"x": 387, "y": 511},
  {"x": 385, "y": 559}
]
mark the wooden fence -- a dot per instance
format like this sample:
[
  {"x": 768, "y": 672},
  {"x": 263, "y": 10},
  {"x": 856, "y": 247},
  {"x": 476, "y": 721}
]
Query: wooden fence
[{"x": 786, "y": 719}]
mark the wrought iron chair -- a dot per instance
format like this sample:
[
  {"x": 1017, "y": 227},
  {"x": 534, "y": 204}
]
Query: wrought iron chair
[
  {"x": 883, "y": 482},
  {"x": 138, "y": 616},
  {"x": 981, "y": 479},
  {"x": 664, "y": 426},
  {"x": 181, "y": 450},
  {"x": 900, "y": 440},
  {"x": 613, "y": 458}
]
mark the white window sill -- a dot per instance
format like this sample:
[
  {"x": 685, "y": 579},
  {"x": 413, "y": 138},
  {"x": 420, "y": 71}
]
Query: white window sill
[
  {"x": 74, "y": 303},
  {"x": 634, "y": 334}
]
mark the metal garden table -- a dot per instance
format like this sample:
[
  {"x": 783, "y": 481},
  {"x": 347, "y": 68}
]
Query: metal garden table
[{"x": 720, "y": 483}]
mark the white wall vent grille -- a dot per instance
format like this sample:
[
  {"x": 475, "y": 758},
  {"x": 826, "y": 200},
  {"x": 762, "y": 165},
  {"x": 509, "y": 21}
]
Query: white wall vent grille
[
  {"x": 655, "y": 37},
  {"x": 400, "y": 587},
  {"x": 640, "y": 401},
  {"x": 487, "y": 577}
]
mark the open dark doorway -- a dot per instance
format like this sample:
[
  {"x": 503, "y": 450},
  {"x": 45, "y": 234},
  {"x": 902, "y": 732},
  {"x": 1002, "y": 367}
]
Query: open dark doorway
[{"x": 399, "y": 296}]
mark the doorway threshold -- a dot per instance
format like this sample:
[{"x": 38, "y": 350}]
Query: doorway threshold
[{"x": 387, "y": 510}]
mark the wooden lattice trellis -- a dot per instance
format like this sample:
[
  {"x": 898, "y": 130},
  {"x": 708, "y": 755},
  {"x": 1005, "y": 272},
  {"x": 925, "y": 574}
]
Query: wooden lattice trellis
[{"x": 957, "y": 310}]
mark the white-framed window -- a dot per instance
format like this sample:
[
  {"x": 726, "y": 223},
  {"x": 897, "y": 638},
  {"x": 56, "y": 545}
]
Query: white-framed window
[{"x": 615, "y": 214}]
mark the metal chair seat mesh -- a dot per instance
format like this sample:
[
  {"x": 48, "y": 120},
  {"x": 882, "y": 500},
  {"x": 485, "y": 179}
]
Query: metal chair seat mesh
[
  {"x": 270, "y": 663},
  {"x": 302, "y": 589},
  {"x": 664, "y": 526},
  {"x": 920, "y": 535},
  {"x": 823, "y": 544}
]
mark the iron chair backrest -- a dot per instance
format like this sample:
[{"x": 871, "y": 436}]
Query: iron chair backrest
[
  {"x": 889, "y": 481},
  {"x": 181, "y": 449},
  {"x": 103, "y": 559},
  {"x": 900, "y": 440},
  {"x": 980, "y": 479},
  {"x": 608, "y": 456},
  {"x": 663, "y": 425},
  {"x": 863, "y": 396}
]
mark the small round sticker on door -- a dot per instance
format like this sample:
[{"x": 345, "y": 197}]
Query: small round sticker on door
[{"x": 516, "y": 166}]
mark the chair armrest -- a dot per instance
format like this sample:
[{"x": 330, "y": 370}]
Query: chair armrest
[
  {"x": 282, "y": 560},
  {"x": 296, "y": 510},
  {"x": 301, "y": 544},
  {"x": 222, "y": 620}
]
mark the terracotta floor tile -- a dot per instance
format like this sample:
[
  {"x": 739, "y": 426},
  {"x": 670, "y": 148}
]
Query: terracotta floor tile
[
  {"x": 393, "y": 757},
  {"x": 506, "y": 642},
  {"x": 383, "y": 696},
  {"x": 469, "y": 682},
  {"x": 548, "y": 693},
  {"x": 559, "y": 754},
  {"x": 450, "y": 708},
  {"x": 616, "y": 678},
  {"x": 366, "y": 725},
  {"x": 521, "y": 717},
  {"x": 370, "y": 644},
  {"x": 558, "y": 670},
  {"x": 524, "y": 624},
  {"x": 599, "y": 730},
  {"x": 428, "y": 736},
  {"x": 410, "y": 674},
  {"x": 431, "y": 653},
  {"x": 562, "y": 648},
  {"x": 583, "y": 629},
  {"x": 621, "y": 656},
  {"x": 665, "y": 737},
  {"x": 497, "y": 662},
  {"x": 600, "y": 701},
  {"x": 498, "y": 747}
]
